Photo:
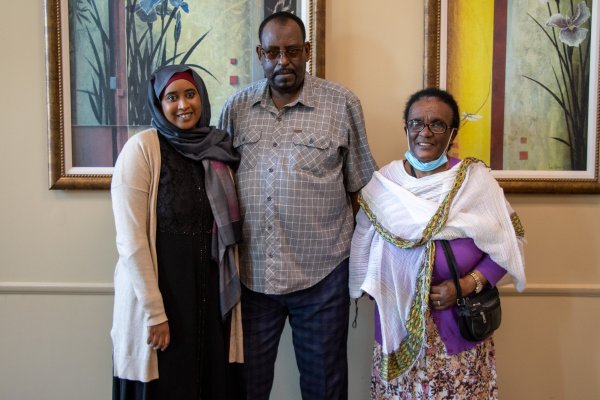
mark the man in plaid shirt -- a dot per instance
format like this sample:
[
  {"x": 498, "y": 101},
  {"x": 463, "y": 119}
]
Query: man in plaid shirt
[{"x": 304, "y": 157}]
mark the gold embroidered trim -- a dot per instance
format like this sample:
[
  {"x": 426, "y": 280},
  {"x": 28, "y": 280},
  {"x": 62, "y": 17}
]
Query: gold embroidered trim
[
  {"x": 516, "y": 222},
  {"x": 398, "y": 362}
]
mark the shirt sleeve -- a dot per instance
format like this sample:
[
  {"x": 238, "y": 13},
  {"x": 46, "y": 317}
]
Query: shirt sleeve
[
  {"x": 359, "y": 164},
  {"x": 226, "y": 119}
]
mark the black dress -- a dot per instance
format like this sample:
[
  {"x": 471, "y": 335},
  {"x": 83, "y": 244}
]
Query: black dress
[{"x": 195, "y": 365}]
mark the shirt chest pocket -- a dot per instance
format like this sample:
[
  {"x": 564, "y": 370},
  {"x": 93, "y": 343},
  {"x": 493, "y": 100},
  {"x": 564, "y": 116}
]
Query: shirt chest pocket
[
  {"x": 246, "y": 143},
  {"x": 312, "y": 153}
]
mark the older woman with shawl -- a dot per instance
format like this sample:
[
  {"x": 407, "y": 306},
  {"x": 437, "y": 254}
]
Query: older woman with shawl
[
  {"x": 406, "y": 208},
  {"x": 176, "y": 322}
]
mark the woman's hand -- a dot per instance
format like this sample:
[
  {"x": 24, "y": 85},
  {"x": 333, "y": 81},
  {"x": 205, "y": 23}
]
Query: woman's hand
[
  {"x": 443, "y": 296},
  {"x": 159, "y": 336}
]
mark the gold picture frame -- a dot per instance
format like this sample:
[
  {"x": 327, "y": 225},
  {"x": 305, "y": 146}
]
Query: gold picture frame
[
  {"x": 63, "y": 173},
  {"x": 438, "y": 73}
]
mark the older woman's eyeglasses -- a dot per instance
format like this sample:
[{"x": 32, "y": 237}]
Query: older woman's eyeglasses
[
  {"x": 437, "y": 126},
  {"x": 291, "y": 52}
]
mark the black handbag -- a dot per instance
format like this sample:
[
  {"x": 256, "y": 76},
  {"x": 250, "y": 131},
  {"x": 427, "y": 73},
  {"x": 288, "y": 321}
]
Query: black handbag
[{"x": 479, "y": 315}]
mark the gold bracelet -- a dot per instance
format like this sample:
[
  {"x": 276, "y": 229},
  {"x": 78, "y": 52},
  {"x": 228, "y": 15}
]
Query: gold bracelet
[{"x": 478, "y": 284}]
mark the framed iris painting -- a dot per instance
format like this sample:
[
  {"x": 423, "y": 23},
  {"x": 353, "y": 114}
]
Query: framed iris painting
[
  {"x": 100, "y": 53},
  {"x": 526, "y": 77}
]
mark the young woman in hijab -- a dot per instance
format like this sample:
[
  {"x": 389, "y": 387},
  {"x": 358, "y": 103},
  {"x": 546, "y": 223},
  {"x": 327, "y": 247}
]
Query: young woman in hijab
[
  {"x": 176, "y": 322},
  {"x": 396, "y": 257}
]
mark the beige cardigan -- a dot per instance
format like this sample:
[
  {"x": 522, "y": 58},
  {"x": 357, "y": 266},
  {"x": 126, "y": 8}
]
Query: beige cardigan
[{"x": 138, "y": 302}]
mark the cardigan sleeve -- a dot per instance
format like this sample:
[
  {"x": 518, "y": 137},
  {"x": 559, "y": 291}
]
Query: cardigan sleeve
[{"x": 130, "y": 192}]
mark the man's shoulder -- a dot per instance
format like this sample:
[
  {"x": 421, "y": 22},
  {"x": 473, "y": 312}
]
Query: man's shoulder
[
  {"x": 321, "y": 85},
  {"x": 249, "y": 93}
]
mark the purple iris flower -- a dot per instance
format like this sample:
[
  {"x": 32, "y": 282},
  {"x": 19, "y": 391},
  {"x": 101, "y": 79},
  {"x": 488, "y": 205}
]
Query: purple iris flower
[
  {"x": 571, "y": 32},
  {"x": 180, "y": 3}
]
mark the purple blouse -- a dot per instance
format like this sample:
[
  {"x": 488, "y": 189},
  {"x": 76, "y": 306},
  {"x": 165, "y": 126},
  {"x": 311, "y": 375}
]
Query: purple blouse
[{"x": 468, "y": 257}]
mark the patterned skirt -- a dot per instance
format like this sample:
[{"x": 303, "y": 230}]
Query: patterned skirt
[{"x": 437, "y": 375}]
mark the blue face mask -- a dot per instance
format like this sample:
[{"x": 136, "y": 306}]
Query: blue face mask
[
  {"x": 425, "y": 166},
  {"x": 430, "y": 165}
]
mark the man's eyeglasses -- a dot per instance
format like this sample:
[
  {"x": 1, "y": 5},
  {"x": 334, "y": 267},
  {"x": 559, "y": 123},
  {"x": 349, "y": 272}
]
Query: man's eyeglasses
[
  {"x": 291, "y": 52},
  {"x": 417, "y": 125}
]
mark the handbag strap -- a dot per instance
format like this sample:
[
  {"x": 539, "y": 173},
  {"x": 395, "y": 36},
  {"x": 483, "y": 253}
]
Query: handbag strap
[{"x": 452, "y": 264}]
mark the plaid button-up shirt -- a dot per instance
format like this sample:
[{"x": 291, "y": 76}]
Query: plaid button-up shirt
[{"x": 298, "y": 165}]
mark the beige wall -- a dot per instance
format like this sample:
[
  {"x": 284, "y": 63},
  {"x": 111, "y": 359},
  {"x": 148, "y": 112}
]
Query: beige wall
[{"x": 55, "y": 345}]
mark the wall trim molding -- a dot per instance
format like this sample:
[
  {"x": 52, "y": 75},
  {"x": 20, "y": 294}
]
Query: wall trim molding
[
  {"x": 553, "y": 290},
  {"x": 84, "y": 288},
  {"x": 60, "y": 288}
]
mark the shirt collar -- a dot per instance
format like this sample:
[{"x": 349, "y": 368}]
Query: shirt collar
[{"x": 306, "y": 97}]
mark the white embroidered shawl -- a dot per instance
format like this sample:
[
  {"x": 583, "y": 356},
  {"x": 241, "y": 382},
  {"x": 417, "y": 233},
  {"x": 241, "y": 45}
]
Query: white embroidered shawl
[{"x": 392, "y": 248}]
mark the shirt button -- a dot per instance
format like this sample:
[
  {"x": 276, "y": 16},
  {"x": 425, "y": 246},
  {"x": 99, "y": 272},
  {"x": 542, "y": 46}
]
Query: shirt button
[
  {"x": 269, "y": 198},
  {"x": 278, "y": 119},
  {"x": 274, "y": 144},
  {"x": 270, "y": 255},
  {"x": 311, "y": 141},
  {"x": 269, "y": 227},
  {"x": 270, "y": 169}
]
